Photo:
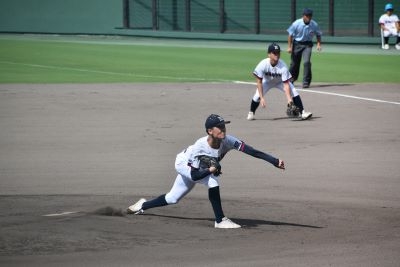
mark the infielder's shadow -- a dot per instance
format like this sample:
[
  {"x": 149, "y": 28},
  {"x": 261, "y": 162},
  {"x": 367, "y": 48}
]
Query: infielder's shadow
[
  {"x": 246, "y": 223},
  {"x": 293, "y": 119},
  {"x": 330, "y": 85},
  {"x": 287, "y": 118}
]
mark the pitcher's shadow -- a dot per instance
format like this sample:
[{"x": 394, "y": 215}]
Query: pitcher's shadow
[{"x": 247, "y": 223}]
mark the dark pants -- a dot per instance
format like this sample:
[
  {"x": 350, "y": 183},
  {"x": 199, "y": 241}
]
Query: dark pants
[
  {"x": 386, "y": 40},
  {"x": 301, "y": 50}
]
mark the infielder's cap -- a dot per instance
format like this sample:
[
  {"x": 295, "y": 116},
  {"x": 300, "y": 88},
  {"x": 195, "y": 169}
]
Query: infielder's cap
[
  {"x": 307, "y": 12},
  {"x": 215, "y": 120},
  {"x": 388, "y": 7},
  {"x": 274, "y": 47}
]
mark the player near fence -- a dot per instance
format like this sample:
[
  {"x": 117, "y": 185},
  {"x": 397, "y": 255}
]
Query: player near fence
[
  {"x": 390, "y": 26},
  {"x": 199, "y": 164},
  {"x": 300, "y": 43},
  {"x": 272, "y": 72}
]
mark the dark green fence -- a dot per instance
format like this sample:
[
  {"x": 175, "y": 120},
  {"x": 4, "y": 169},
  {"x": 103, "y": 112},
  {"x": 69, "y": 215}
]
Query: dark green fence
[
  {"x": 60, "y": 16},
  {"x": 335, "y": 17},
  {"x": 355, "y": 18}
]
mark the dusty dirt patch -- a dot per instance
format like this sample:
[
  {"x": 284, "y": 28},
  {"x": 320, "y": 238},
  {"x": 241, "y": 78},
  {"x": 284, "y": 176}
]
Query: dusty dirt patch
[{"x": 86, "y": 147}]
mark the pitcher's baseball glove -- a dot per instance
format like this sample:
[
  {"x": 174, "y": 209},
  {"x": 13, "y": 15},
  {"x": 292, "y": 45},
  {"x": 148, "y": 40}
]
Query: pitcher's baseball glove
[
  {"x": 206, "y": 162},
  {"x": 292, "y": 110}
]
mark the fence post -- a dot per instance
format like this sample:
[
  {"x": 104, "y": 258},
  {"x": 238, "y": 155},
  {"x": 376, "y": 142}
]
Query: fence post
[
  {"x": 222, "y": 16},
  {"x": 331, "y": 20},
  {"x": 155, "y": 15},
  {"x": 187, "y": 16},
  {"x": 257, "y": 16},
  {"x": 125, "y": 12},
  {"x": 175, "y": 25},
  {"x": 293, "y": 10},
  {"x": 371, "y": 25}
]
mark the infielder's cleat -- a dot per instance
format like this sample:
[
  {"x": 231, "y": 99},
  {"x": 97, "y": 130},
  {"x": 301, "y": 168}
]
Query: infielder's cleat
[
  {"x": 398, "y": 46},
  {"x": 250, "y": 116},
  {"x": 305, "y": 115},
  {"x": 386, "y": 47},
  {"x": 136, "y": 208},
  {"x": 226, "y": 224}
]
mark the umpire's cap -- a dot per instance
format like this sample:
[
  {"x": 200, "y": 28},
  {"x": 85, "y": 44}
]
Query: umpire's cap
[
  {"x": 274, "y": 47},
  {"x": 215, "y": 120},
  {"x": 307, "y": 11}
]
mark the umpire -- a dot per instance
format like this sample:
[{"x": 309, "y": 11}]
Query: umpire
[{"x": 300, "y": 44}]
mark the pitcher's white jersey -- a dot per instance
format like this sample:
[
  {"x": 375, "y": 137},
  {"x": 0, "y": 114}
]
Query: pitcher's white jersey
[
  {"x": 201, "y": 147},
  {"x": 273, "y": 75}
]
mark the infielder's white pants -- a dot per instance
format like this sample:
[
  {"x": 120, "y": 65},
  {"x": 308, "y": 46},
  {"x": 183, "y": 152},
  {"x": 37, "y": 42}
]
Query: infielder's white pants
[
  {"x": 267, "y": 87},
  {"x": 183, "y": 183},
  {"x": 391, "y": 32}
]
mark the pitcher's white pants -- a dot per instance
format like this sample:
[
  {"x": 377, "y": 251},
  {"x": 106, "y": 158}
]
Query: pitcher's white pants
[{"x": 183, "y": 183}]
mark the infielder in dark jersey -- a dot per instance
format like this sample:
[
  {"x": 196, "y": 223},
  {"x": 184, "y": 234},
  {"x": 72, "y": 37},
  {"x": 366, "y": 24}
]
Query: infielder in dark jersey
[{"x": 188, "y": 166}]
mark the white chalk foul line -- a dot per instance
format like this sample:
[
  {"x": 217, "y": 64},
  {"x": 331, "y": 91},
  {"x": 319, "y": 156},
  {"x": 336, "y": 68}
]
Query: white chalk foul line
[
  {"x": 350, "y": 96},
  {"x": 61, "y": 213},
  {"x": 335, "y": 94},
  {"x": 190, "y": 79},
  {"x": 111, "y": 73}
]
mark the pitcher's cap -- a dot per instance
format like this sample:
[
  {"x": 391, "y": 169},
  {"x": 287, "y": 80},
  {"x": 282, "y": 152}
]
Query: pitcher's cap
[{"x": 215, "y": 120}]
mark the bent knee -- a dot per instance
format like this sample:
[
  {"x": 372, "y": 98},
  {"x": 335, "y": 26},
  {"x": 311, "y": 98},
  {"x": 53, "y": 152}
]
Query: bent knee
[{"x": 171, "y": 199}]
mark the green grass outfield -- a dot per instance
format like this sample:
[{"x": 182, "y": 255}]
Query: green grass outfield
[{"x": 102, "y": 59}]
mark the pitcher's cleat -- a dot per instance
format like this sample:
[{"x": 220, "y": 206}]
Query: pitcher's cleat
[
  {"x": 137, "y": 207},
  {"x": 226, "y": 224}
]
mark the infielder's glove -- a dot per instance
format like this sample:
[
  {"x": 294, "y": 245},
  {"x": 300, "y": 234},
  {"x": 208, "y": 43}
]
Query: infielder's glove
[
  {"x": 206, "y": 162},
  {"x": 292, "y": 110}
]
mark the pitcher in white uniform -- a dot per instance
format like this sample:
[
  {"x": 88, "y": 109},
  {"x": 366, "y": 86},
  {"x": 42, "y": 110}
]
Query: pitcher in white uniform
[{"x": 215, "y": 144}]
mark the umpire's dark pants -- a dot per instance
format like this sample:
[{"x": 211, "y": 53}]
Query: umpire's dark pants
[{"x": 301, "y": 50}]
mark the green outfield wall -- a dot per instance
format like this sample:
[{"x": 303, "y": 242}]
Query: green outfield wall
[
  {"x": 60, "y": 16},
  {"x": 353, "y": 20}
]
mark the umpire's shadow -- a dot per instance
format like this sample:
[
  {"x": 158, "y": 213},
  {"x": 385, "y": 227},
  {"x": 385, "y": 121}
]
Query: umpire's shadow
[{"x": 246, "y": 223}]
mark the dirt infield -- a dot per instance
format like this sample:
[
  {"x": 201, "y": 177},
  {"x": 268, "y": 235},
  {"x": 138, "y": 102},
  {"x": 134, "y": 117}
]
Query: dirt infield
[{"x": 82, "y": 153}]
